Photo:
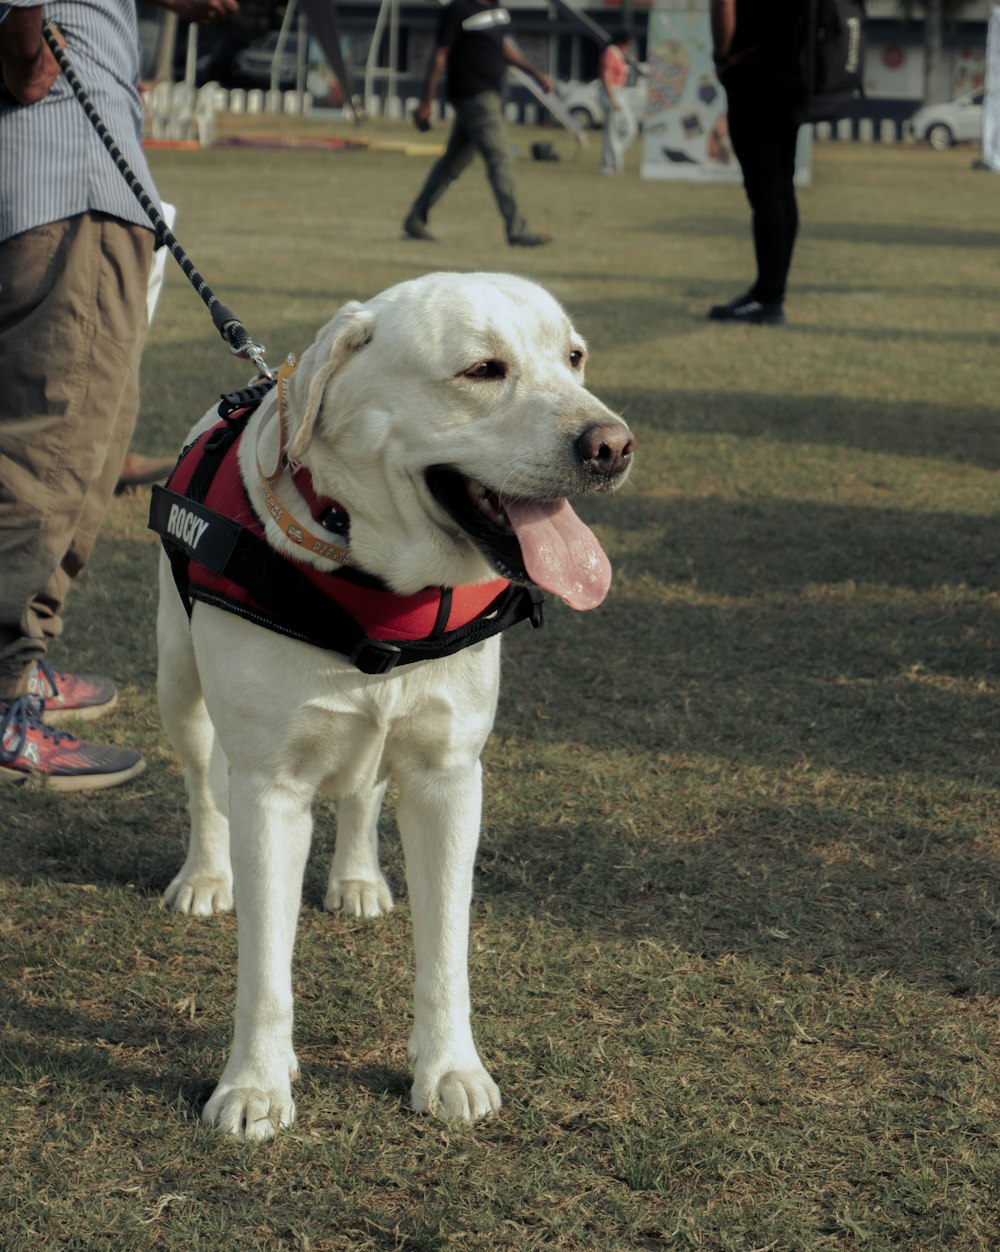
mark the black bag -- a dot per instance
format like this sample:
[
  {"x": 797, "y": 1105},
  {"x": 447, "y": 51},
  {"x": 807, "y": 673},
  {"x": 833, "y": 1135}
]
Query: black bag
[{"x": 831, "y": 58}]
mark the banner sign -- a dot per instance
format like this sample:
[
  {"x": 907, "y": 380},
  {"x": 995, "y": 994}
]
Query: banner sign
[
  {"x": 991, "y": 101},
  {"x": 686, "y": 131}
]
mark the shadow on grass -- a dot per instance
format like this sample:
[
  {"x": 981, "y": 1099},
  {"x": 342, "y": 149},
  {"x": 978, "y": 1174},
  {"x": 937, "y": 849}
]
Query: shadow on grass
[
  {"x": 800, "y": 885},
  {"x": 855, "y": 232},
  {"x": 907, "y": 428},
  {"x": 756, "y": 547}
]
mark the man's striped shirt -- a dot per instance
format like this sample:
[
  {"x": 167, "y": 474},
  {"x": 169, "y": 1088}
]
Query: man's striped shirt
[{"x": 53, "y": 164}]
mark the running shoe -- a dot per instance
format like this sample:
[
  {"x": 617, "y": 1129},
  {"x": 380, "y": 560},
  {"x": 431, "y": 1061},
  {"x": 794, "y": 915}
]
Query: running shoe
[{"x": 30, "y": 748}]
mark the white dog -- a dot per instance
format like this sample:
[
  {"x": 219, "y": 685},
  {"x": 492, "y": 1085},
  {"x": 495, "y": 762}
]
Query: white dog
[{"x": 443, "y": 424}]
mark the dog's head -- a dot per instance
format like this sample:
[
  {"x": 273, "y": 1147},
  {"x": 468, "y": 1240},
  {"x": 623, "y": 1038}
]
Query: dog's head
[{"x": 449, "y": 416}]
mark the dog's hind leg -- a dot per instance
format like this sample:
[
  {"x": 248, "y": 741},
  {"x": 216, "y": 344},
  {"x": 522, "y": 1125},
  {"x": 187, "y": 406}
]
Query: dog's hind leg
[
  {"x": 204, "y": 884},
  {"x": 356, "y": 884}
]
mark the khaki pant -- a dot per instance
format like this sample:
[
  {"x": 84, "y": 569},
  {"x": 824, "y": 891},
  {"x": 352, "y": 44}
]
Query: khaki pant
[
  {"x": 72, "y": 325},
  {"x": 478, "y": 127}
]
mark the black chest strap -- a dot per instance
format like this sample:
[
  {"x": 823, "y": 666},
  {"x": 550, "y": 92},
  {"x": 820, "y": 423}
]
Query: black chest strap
[{"x": 191, "y": 531}]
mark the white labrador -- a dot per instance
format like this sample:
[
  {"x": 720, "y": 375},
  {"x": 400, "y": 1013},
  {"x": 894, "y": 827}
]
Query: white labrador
[{"x": 480, "y": 378}]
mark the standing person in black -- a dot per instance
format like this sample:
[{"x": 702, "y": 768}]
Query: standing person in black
[
  {"x": 472, "y": 45},
  {"x": 754, "y": 48}
]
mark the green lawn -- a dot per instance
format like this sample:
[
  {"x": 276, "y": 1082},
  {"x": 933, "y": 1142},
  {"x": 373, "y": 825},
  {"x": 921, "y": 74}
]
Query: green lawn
[{"x": 735, "y": 934}]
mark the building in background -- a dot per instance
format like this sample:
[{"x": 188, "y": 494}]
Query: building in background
[{"x": 551, "y": 38}]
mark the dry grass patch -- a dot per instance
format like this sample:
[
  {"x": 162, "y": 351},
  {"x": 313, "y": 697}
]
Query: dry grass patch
[{"x": 735, "y": 936}]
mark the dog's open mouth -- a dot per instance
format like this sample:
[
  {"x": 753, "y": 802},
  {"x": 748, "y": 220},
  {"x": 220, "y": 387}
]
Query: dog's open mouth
[{"x": 538, "y": 541}]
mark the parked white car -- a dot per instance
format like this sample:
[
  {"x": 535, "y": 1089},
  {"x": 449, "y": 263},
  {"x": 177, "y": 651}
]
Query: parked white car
[
  {"x": 942, "y": 125},
  {"x": 583, "y": 100},
  {"x": 251, "y": 67}
]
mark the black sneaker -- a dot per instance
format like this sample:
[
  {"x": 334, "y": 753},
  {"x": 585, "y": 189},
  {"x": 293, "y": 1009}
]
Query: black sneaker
[
  {"x": 29, "y": 747},
  {"x": 413, "y": 229},
  {"x": 529, "y": 240},
  {"x": 748, "y": 310}
]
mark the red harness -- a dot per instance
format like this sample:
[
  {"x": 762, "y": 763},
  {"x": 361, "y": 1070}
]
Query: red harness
[{"x": 219, "y": 555}]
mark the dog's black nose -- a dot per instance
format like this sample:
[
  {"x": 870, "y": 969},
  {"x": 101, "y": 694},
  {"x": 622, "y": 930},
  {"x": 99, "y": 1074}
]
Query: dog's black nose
[{"x": 606, "y": 449}]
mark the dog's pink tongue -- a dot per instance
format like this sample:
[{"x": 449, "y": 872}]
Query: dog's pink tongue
[{"x": 560, "y": 554}]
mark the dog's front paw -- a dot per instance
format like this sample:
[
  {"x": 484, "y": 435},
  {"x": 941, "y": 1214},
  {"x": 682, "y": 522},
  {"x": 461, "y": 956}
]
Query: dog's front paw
[
  {"x": 358, "y": 897},
  {"x": 201, "y": 894},
  {"x": 249, "y": 1113},
  {"x": 458, "y": 1095}
]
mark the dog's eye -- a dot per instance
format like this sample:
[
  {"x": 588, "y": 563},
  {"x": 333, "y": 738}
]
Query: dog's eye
[
  {"x": 576, "y": 358},
  {"x": 486, "y": 369}
]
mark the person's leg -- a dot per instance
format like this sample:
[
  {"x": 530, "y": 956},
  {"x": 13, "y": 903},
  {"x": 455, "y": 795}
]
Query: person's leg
[
  {"x": 788, "y": 213},
  {"x": 626, "y": 128},
  {"x": 609, "y": 161},
  {"x": 72, "y": 321},
  {"x": 483, "y": 121},
  {"x": 450, "y": 165},
  {"x": 763, "y": 140}
]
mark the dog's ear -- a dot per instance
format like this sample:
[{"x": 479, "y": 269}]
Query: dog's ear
[{"x": 347, "y": 333}]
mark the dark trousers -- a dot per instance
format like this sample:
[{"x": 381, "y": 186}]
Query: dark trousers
[{"x": 763, "y": 133}]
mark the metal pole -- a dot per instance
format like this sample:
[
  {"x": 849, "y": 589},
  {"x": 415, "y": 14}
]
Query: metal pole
[
  {"x": 191, "y": 64},
  {"x": 371, "y": 65},
  {"x": 301, "y": 65},
  {"x": 279, "y": 51},
  {"x": 393, "y": 51}
]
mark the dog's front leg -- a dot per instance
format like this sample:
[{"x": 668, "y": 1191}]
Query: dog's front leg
[
  {"x": 439, "y": 824},
  {"x": 271, "y": 829}
]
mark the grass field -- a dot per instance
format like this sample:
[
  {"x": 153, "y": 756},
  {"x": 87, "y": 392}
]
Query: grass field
[{"x": 735, "y": 933}]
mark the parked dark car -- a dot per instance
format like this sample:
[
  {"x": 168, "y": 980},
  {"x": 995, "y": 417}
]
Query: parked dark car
[{"x": 216, "y": 47}]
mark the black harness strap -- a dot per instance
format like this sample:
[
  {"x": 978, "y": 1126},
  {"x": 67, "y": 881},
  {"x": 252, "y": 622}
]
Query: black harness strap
[{"x": 191, "y": 531}]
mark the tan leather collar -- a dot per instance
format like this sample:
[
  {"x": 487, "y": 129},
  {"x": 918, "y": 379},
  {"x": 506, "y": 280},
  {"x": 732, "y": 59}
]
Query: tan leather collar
[{"x": 325, "y": 546}]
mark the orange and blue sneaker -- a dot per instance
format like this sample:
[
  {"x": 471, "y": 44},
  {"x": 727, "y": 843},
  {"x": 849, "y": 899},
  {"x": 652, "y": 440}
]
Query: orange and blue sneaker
[
  {"x": 30, "y": 748},
  {"x": 85, "y": 696}
]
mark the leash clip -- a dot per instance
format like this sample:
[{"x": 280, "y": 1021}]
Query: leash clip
[{"x": 240, "y": 344}]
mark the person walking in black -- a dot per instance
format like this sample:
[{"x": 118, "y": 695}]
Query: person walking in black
[
  {"x": 472, "y": 45},
  {"x": 754, "y": 48}
]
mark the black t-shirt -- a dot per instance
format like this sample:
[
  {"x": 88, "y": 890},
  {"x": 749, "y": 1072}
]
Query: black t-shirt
[
  {"x": 473, "y": 33},
  {"x": 766, "y": 29}
]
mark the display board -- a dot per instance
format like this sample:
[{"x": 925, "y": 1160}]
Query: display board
[
  {"x": 991, "y": 101},
  {"x": 686, "y": 131}
]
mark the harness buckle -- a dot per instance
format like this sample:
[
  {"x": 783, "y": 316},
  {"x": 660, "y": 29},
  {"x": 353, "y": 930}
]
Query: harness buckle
[
  {"x": 375, "y": 656},
  {"x": 537, "y": 617}
]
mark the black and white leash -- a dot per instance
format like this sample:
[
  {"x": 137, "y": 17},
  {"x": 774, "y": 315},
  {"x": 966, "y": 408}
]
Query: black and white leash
[{"x": 226, "y": 322}]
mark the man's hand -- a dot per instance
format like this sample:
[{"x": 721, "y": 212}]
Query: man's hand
[
  {"x": 204, "y": 12},
  {"x": 27, "y": 65}
]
